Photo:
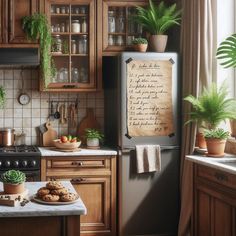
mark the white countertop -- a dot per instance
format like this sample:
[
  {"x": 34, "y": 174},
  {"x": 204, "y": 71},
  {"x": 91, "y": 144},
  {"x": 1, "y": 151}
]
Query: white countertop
[
  {"x": 52, "y": 151},
  {"x": 36, "y": 209},
  {"x": 219, "y": 163}
]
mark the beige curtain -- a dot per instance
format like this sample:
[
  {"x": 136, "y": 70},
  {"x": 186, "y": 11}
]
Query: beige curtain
[{"x": 197, "y": 59}]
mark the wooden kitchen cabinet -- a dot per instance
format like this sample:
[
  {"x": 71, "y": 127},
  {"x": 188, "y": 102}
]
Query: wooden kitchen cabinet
[
  {"x": 73, "y": 50},
  {"x": 12, "y": 12},
  {"x": 94, "y": 178},
  {"x": 214, "y": 202}
]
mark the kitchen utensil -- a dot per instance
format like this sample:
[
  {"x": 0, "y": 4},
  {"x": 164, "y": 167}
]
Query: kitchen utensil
[
  {"x": 57, "y": 114},
  {"x": 49, "y": 135},
  {"x": 51, "y": 113},
  {"x": 65, "y": 113},
  {"x": 7, "y": 137},
  {"x": 89, "y": 121}
]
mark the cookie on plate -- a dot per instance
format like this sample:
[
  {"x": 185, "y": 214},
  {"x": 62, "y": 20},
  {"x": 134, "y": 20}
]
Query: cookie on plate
[
  {"x": 42, "y": 192},
  {"x": 61, "y": 191},
  {"x": 53, "y": 185},
  {"x": 69, "y": 197},
  {"x": 50, "y": 198}
]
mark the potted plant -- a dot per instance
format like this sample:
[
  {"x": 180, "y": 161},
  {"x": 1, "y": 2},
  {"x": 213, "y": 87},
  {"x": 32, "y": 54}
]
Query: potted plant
[
  {"x": 216, "y": 140},
  {"x": 212, "y": 107},
  {"x": 157, "y": 19},
  {"x": 93, "y": 137},
  {"x": 140, "y": 44},
  {"x": 2, "y": 96},
  {"x": 13, "y": 181},
  {"x": 36, "y": 27}
]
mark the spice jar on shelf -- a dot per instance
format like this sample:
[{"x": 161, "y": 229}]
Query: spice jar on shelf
[
  {"x": 111, "y": 41},
  {"x": 83, "y": 75},
  {"x": 57, "y": 46},
  {"x": 75, "y": 26},
  {"x": 63, "y": 10},
  {"x": 120, "y": 22},
  {"x": 111, "y": 21},
  {"x": 73, "y": 46},
  {"x": 62, "y": 27},
  {"x": 84, "y": 25},
  {"x": 119, "y": 40},
  {"x": 74, "y": 75}
]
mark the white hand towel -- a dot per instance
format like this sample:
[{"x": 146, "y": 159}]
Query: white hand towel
[{"x": 148, "y": 158}]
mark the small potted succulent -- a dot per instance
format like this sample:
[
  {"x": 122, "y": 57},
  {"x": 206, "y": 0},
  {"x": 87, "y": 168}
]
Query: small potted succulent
[
  {"x": 140, "y": 44},
  {"x": 13, "y": 181},
  {"x": 93, "y": 138}
]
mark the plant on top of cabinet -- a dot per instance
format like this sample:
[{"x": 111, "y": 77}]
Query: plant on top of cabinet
[
  {"x": 36, "y": 27},
  {"x": 209, "y": 110},
  {"x": 93, "y": 137},
  {"x": 227, "y": 52},
  {"x": 157, "y": 19},
  {"x": 2, "y": 96},
  {"x": 140, "y": 44}
]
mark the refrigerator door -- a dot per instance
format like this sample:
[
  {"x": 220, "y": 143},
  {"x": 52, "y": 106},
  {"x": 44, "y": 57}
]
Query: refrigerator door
[
  {"x": 149, "y": 202},
  {"x": 124, "y": 141}
]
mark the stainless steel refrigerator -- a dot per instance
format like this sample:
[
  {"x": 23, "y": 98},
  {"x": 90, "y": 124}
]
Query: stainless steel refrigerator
[{"x": 148, "y": 203}]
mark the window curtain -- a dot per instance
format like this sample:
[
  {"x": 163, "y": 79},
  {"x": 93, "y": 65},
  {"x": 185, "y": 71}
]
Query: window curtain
[{"x": 197, "y": 60}]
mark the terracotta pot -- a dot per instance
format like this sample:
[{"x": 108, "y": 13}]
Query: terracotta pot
[
  {"x": 233, "y": 128},
  {"x": 141, "y": 47},
  {"x": 13, "y": 188},
  {"x": 200, "y": 140},
  {"x": 158, "y": 42},
  {"x": 215, "y": 147},
  {"x": 93, "y": 142}
]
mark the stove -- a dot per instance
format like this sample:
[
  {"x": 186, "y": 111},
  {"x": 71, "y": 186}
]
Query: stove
[{"x": 24, "y": 158}]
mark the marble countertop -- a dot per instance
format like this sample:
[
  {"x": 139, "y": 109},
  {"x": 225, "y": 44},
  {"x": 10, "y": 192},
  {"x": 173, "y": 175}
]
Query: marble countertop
[
  {"x": 51, "y": 151},
  {"x": 226, "y": 163},
  {"x": 36, "y": 209}
]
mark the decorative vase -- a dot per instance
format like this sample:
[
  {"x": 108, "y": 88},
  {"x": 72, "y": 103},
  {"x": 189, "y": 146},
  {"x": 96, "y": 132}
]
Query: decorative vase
[
  {"x": 140, "y": 47},
  {"x": 215, "y": 147},
  {"x": 13, "y": 188},
  {"x": 92, "y": 142},
  {"x": 200, "y": 140},
  {"x": 158, "y": 42}
]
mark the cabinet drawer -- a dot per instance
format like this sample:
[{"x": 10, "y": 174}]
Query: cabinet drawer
[
  {"x": 216, "y": 176},
  {"x": 78, "y": 163}
]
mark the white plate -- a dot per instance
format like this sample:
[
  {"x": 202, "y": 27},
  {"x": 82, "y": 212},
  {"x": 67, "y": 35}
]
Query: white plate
[{"x": 36, "y": 199}]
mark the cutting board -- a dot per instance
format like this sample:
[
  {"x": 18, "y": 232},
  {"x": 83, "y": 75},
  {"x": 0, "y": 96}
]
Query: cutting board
[
  {"x": 49, "y": 135},
  {"x": 89, "y": 121}
]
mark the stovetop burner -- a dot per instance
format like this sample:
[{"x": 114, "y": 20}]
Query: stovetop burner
[{"x": 27, "y": 150}]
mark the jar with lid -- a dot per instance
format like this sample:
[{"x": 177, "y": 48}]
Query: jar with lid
[
  {"x": 62, "y": 27},
  {"x": 63, "y": 10},
  {"x": 111, "y": 22},
  {"x": 83, "y": 75},
  {"x": 57, "y": 44},
  {"x": 120, "y": 22},
  {"x": 57, "y": 28},
  {"x": 74, "y": 75},
  {"x": 84, "y": 26},
  {"x": 73, "y": 46},
  {"x": 83, "y": 45},
  {"x": 111, "y": 40},
  {"x": 75, "y": 26},
  {"x": 119, "y": 40},
  {"x": 57, "y": 10}
]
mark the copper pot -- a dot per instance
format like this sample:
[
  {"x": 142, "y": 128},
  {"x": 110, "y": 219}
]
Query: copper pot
[{"x": 7, "y": 137}]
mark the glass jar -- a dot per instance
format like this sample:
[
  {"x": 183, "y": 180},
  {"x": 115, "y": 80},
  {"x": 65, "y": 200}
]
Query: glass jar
[
  {"x": 73, "y": 46},
  {"x": 62, "y": 28},
  {"x": 57, "y": 28},
  {"x": 58, "y": 10},
  {"x": 67, "y": 10},
  {"x": 63, "y": 75},
  {"x": 53, "y": 9},
  {"x": 111, "y": 40},
  {"x": 83, "y": 75},
  {"x": 119, "y": 40},
  {"x": 120, "y": 22},
  {"x": 63, "y": 10},
  {"x": 76, "y": 10},
  {"x": 67, "y": 26},
  {"x": 57, "y": 44},
  {"x": 83, "y": 44},
  {"x": 83, "y": 10},
  {"x": 84, "y": 26},
  {"x": 111, "y": 22},
  {"x": 74, "y": 75},
  {"x": 75, "y": 26},
  {"x": 131, "y": 24},
  {"x": 130, "y": 40}
]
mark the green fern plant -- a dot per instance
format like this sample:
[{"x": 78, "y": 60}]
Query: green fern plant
[
  {"x": 2, "y": 96},
  {"x": 227, "y": 52},
  {"x": 157, "y": 19},
  {"x": 216, "y": 133},
  {"x": 36, "y": 27},
  {"x": 212, "y": 107}
]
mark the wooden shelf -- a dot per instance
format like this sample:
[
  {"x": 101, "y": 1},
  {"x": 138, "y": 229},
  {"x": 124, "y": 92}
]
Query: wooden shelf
[
  {"x": 81, "y": 15},
  {"x": 117, "y": 33},
  {"x": 59, "y": 15},
  {"x": 79, "y": 55},
  {"x": 61, "y": 33},
  {"x": 79, "y": 33},
  {"x": 59, "y": 55}
]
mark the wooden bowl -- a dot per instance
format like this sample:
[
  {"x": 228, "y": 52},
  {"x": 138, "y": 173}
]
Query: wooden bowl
[{"x": 67, "y": 146}]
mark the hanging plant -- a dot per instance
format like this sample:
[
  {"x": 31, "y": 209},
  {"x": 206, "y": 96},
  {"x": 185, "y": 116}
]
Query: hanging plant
[
  {"x": 36, "y": 27},
  {"x": 2, "y": 96}
]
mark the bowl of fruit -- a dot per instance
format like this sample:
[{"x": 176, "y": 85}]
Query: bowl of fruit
[{"x": 67, "y": 142}]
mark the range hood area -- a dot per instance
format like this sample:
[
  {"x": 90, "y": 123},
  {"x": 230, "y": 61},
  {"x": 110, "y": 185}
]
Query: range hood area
[{"x": 19, "y": 56}]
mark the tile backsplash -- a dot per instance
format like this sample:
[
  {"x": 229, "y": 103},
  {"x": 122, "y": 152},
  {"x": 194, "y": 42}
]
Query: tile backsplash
[{"x": 29, "y": 117}]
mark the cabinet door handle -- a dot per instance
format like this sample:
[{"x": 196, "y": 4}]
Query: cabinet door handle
[
  {"x": 221, "y": 177},
  {"x": 77, "y": 180},
  {"x": 76, "y": 163}
]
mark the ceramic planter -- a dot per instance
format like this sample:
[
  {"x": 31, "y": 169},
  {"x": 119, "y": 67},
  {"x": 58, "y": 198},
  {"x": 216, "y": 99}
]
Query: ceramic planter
[
  {"x": 200, "y": 140},
  {"x": 141, "y": 47},
  {"x": 13, "y": 188},
  {"x": 93, "y": 142},
  {"x": 215, "y": 147},
  {"x": 158, "y": 42}
]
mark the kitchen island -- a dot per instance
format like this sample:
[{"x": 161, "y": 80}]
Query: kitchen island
[{"x": 36, "y": 219}]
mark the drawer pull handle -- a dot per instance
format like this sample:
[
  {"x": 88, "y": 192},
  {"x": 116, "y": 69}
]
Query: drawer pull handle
[
  {"x": 77, "y": 180},
  {"x": 221, "y": 177},
  {"x": 76, "y": 163}
]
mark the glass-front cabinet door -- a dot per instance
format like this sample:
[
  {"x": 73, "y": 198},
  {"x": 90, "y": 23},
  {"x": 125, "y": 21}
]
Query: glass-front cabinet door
[{"x": 73, "y": 48}]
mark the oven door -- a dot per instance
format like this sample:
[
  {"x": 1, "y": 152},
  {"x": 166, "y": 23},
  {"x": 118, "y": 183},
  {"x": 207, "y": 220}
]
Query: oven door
[{"x": 31, "y": 175}]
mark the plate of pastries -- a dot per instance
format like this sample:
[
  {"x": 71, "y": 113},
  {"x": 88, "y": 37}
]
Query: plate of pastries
[{"x": 54, "y": 193}]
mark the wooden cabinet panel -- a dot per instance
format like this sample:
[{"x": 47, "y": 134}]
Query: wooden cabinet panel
[{"x": 17, "y": 10}]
